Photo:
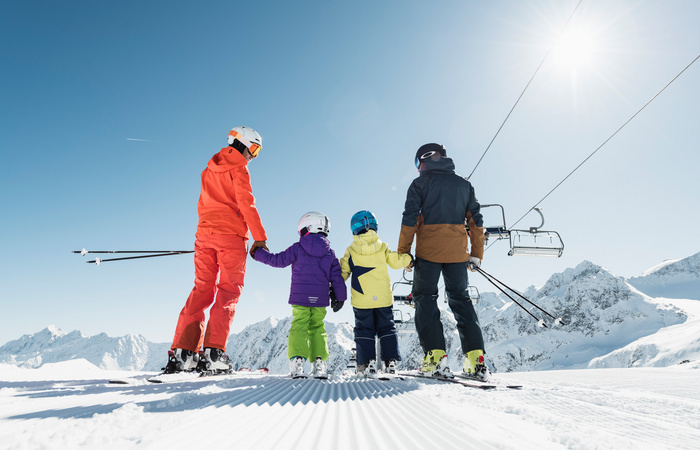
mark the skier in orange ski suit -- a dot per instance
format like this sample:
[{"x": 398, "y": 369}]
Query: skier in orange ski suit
[{"x": 226, "y": 212}]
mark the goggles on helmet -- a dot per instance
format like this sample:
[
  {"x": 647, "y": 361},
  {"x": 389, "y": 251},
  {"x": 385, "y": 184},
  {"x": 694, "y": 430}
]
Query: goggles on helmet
[
  {"x": 253, "y": 148},
  {"x": 425, "y": 155}
]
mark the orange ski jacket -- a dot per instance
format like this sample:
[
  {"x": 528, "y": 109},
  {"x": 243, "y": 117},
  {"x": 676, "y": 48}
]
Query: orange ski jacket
[{"x": 226, "y": 203}]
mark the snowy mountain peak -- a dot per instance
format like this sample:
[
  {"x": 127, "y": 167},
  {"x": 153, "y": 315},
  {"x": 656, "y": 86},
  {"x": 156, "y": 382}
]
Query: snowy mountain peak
[
  {"x": 600, "y": 310},
  {"x": 689, "y": 266},
  {"x": 559, "y": 282},
  {"x": 671, "y": 279}
]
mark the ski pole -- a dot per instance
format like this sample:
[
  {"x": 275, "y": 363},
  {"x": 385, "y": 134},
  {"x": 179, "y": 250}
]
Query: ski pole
[
  {"x": 98, "y": 260},
  {"x": 491, "y": 279},
  {"x": 85, "y": 252},
  {"x": 540, "y": 322},
  {"x": 156, "y": 253}
]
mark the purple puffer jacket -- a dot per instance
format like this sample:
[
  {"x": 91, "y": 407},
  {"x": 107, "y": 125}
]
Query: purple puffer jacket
[{"x": 314, "y": 269}]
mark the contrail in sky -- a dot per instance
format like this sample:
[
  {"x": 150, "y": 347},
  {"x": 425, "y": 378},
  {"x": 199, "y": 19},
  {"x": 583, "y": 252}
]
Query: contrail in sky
[{"x": 140, "y": 140}]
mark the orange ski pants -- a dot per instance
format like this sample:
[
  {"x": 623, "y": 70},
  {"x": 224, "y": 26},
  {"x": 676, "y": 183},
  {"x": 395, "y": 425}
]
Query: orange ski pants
[{"x": 221, "y": 256}]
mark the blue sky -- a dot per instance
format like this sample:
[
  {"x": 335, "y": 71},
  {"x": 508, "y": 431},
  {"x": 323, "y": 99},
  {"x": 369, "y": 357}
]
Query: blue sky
[{"x": 110, "y": 111}]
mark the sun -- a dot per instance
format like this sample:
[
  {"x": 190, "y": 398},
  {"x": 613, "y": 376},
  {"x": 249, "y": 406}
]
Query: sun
[{"x": 577, "y": 48}]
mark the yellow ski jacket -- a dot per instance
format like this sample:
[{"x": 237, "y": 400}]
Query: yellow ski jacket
[{"x": 365, "y": 262}]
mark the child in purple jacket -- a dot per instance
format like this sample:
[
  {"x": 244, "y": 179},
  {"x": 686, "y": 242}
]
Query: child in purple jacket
[{"x": 315, "y": 271}]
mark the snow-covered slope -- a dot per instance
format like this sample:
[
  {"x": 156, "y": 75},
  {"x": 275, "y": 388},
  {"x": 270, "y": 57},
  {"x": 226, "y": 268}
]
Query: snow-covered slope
[
  {"x": 671, "y": 279},
  {"x": 69, "y": 405}
]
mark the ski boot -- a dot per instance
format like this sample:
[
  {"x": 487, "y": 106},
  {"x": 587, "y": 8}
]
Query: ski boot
[
  {"x": 435, "y": 365},
  {"x": 213, "y": 361},
  {"x": 390, "y": 367},
  {"x": 180, "y": 360},
  {"x": 318, "y": 369},
  {"x": 368, "y": 370},
  {"x": 475, "y": 367},
  {"x": 296, "y": 367}
]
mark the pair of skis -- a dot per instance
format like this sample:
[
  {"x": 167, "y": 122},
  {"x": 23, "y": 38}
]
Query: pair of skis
[
  {"x": 463, "y": 380},
  {"x": 184, "y": 376}
]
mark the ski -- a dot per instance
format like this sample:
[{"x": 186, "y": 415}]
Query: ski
[
  {"x": 129, "y": 380},
  {"x": 308, "y": 376},
  {"x": 184, "y": 376},
  {"x": 389, "y": 376},
  {"x": 178, "y": 376},
  {"x": 489, "y": 381},
  {"x": 463, "y": 382}
]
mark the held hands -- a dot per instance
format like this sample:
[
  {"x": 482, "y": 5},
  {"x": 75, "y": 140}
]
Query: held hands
[
  {"x": 256, "y": 245},
  {"x": 409, "y": 267},
  {"x": 473, "y": 263}
]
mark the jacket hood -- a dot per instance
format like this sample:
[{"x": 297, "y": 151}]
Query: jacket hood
[
  {"x": 315, "y": 244},
  {"x": 227, "y": 159},
  {"x": 367, "y": 243},
  {"x": 442, "y": 165}
]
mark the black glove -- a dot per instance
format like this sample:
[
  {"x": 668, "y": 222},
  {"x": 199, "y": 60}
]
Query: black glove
[{"x": 336, "y": 305}]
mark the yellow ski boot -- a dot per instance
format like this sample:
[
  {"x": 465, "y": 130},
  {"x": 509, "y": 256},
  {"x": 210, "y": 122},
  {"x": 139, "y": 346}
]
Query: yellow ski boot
[
  {"x": 474, "y": 365},
  {"x": 435, "y": 365}
]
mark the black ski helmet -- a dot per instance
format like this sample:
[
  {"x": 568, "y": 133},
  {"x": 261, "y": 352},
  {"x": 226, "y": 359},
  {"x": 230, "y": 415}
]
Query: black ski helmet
[{"x": 429, "y": 151}]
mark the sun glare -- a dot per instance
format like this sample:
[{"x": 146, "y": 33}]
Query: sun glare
[{"x": 575, "y": 49}]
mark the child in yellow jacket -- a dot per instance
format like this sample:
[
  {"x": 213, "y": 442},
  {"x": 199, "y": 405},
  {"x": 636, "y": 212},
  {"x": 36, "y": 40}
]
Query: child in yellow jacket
[{"x": 366, "y": 261}]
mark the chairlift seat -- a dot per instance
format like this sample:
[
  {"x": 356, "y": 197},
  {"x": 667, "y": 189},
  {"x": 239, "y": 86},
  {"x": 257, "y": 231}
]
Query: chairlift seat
[
  {"x": 498, "y": 232},
  {"x": 535, "y": 243}
]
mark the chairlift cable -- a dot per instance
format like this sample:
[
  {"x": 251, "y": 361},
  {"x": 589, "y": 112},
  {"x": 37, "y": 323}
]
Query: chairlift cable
[
  {"x": 523, "y": 92},
  {"x": 607, "y": 140}
]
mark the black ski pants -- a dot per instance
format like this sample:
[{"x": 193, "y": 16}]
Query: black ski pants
[
  {"x": 425, "y": 295},
  {"x": 377, "y": 322}
]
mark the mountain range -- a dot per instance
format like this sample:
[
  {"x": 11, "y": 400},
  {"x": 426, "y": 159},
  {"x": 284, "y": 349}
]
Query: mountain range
[{"x": 606, "y": 321}]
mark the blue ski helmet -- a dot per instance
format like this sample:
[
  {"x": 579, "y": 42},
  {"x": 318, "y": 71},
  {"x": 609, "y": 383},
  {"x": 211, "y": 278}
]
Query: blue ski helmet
[{"x": 362, "y": 221}]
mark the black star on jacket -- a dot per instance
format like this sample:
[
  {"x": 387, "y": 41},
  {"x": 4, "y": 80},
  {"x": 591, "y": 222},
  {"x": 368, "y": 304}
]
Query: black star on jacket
[{"x": 357, "y": 271}]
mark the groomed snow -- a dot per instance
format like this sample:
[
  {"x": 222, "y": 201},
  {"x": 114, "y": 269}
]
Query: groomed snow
[{"x": 70, "y": 405}]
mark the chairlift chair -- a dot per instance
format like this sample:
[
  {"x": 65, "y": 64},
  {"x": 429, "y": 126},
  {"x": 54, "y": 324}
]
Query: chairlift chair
[
  {"x": 405, "y": 323},
  {"x": 472, "y": 292},
  {"x": 535, "y": 242},
  {"x": 498, "y": 230},
  {"x": 405, "y": 299}
]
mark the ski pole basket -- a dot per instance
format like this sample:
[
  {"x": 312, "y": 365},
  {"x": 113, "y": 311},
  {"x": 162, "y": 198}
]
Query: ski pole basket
[{"x": 535, "y": 242}]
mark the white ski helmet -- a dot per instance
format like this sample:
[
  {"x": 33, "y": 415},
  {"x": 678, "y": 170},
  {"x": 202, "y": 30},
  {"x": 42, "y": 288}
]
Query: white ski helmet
[
  {"x": 314, "y": 222},
  {"x": 248, "y": 137}
]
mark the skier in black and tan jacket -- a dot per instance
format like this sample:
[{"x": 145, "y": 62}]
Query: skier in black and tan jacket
[{"x": 438, "y": 203}]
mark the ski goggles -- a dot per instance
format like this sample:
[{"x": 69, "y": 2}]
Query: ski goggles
[
  {"x": 425, "y": 155},
  {"x": 253, "y": 148}
]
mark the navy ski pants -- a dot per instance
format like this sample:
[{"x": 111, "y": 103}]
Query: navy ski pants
[
  {"x": 425, "y": 294},
  {"x": 375, "y": 322}
]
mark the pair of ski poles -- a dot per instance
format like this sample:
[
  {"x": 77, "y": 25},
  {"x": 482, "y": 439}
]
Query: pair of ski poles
[
  {"x": 496, "y": 282},
  {"x": 151, "y": 254}
]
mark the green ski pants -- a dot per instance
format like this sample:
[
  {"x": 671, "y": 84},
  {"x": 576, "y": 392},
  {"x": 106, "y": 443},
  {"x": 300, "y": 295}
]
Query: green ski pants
[{"x": 307, "y": 335}]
